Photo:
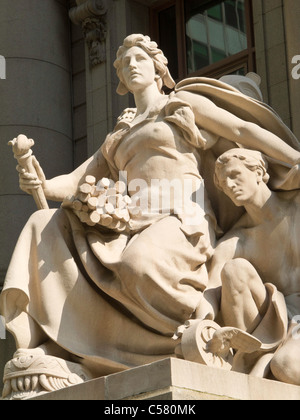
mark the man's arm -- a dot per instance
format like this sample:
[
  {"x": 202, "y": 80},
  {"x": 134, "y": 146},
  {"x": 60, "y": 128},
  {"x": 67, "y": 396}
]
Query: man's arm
[
  {"x": 225, "y": 124},
  {"x": 227, "y": 250}
]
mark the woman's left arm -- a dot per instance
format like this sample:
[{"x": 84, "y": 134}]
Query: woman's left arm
[{"x": 226, "y": 125}]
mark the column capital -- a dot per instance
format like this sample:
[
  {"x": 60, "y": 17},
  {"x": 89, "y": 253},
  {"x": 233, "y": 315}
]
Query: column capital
[{"x": 92, "y": 16}]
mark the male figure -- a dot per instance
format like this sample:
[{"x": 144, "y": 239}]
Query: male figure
[{"x": 262, "y": 249}]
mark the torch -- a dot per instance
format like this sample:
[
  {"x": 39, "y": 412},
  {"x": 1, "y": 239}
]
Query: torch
[{"x": 26, "y": 160}]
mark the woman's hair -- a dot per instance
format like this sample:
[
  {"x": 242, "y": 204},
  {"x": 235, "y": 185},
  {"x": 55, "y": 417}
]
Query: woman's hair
[
  {"x": 151, "y": 48},
  {"x": 253, "y": 160}
]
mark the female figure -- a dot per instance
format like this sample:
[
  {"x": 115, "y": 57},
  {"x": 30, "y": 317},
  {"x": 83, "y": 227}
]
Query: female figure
[{"x": 114, "y": 299}]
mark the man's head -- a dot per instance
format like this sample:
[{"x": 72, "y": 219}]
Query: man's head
[{"x": 240, "y": 173}]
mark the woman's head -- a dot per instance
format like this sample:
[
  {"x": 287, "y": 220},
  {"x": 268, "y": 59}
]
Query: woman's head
[{"x": 126, "y": 57}]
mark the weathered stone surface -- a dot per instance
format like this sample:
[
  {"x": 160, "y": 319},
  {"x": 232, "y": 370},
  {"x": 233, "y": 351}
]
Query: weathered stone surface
[{"x": 173, "y": 379}]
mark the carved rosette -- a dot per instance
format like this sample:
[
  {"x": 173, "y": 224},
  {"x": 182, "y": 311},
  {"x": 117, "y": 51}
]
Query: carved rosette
[
  {"x": 30, "y": 375},
  {"x": 195, "y": 345},
  {"x": 205, "y": 342},
  {"x": 92, "y": 16}
]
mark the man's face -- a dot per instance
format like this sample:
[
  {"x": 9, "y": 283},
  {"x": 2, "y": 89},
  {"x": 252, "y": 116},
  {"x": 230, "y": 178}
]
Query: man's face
[
  {"x": 138, "y": 69},
  {"x": 238, "y": 182}
]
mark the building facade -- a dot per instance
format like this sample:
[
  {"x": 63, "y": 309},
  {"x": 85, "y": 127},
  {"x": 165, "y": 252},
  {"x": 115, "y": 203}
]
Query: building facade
[{"x": 58, "y": 84}]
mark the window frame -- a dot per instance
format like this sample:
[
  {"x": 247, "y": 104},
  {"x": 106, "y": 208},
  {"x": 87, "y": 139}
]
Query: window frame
[{"x": 245, "y": 58}]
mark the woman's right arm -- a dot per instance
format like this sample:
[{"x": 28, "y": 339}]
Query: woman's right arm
[{"x": 56, "y": 189}]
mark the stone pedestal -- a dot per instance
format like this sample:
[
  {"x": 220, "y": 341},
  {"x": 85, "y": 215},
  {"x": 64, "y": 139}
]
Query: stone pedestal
[{"x": 175, "y": 379}]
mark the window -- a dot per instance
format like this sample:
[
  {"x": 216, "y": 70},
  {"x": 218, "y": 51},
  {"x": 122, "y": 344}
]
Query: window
[{"x": 205, "y": 38}]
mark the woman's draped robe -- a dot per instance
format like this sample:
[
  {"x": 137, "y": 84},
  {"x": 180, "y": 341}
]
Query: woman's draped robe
[{"x": 114, "y": 299}]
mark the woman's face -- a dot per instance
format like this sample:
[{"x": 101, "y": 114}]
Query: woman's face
[{"x": 138, "y": 70}]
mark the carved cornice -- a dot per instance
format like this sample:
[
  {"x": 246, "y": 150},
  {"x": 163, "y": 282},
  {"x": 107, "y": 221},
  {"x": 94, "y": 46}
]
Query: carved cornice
[{"x": 92, "y": 16}]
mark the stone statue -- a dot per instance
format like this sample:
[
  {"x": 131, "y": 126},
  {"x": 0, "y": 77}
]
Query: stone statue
[
  {"x": 254, "y": 277},
  {"x": 105, "y": 281}
]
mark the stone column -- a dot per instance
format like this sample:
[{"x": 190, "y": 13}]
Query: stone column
[
  {"x": 35, "y": 100},
  {"x": 292, "y": 28},
  {"x": 91, "y": 15},
  {"x": 271, "y": 57},
  {"x": 105, "y": 24}
]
